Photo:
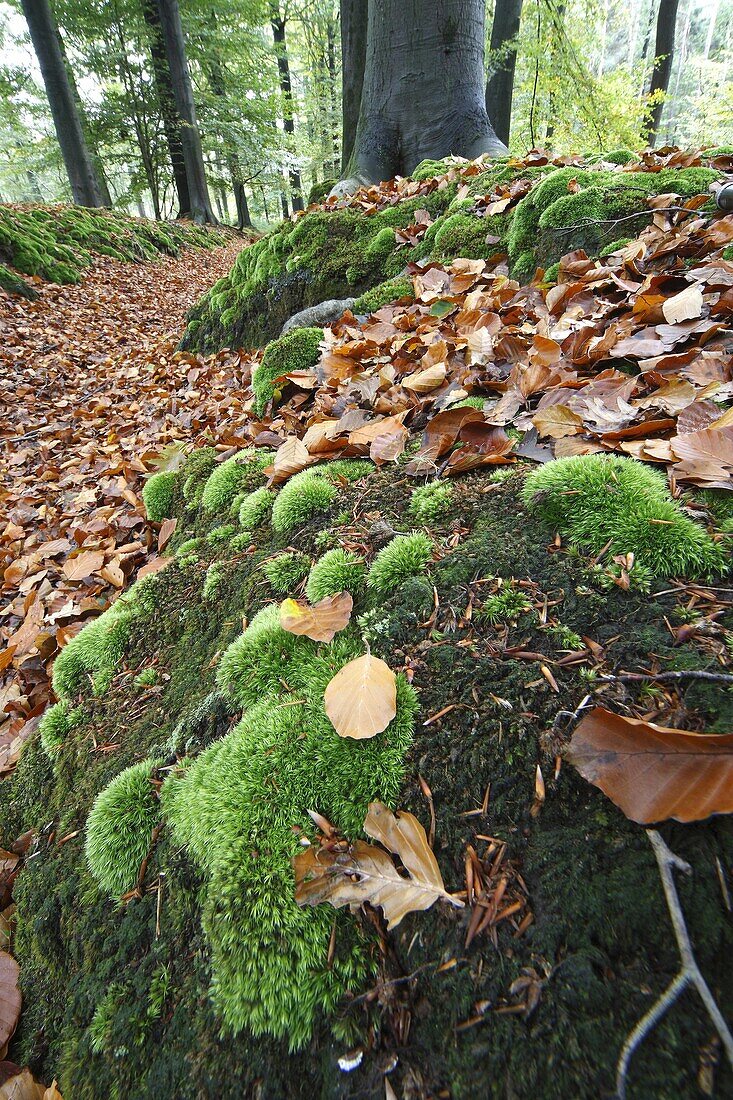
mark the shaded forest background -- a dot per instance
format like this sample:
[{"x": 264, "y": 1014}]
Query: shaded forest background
[{"x": 583, "y": 76}]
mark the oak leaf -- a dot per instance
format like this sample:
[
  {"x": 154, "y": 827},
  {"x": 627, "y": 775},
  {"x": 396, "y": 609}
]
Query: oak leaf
[
  {"x": 321, "y": 621},
  {"x": 361, "y": 699}
]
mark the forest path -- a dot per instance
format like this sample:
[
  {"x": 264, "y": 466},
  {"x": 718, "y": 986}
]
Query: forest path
[{"x": 91, "y": 387}]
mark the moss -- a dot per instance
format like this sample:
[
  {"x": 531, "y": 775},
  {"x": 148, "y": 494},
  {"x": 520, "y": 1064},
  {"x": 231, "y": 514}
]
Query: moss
[
  {"x": 196, "y": 470},
  {"x": 321, "y": 191},
  {"x": 92, "y": 656},
  {"x": 158, "y": 493},
  {"x": 336, "y": 571},
  {"x": 286, "y": 571},
  {"x": 390, "y": 291},
  {"x": 597, "y": 499},
  {"x": 119, "y": 828},
  {"x": 256, "y": 508},
  {"x": 147, "y": 678},
  {"x": 505, "y": 606},
  {"x": 728, "y": 252},
  {"x": 614, "y": 246},
  {"x": 255, "y": 662},
  {"x": 240, "y": 473},
  {"x": 13, "y": 284},
  {"x": 57, "y": 722},
  {"x": 215, "y": 574},
  {"x": 431, "y": 503},
  {"x": 303, "y": 497},
  {"x": 222, "y": 534},
  {"x": 350, "y": 469},
  {"x": 405, "y": 556},
  {"x": 296, "y": 351},
  {"x": 461, "y": 235}
]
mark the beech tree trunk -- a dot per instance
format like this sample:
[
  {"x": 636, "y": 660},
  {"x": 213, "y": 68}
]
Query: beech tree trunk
[
  {"x": 500, "y": 84},
  {"x": 423, "y": 93},
  {"x": 353, "y": 58},
  {"x": 663, "y": 54},
  {"x": 86, "y": 187},
  {"x": 217, "y": 80},
  {"x": 283, "y": 68},
  {"x": 167, "y": 105},
  {"x": 193, "y": 158}
]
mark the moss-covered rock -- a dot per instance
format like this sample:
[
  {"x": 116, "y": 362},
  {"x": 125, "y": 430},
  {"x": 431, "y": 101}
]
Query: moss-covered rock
[{"x": 296, "y": 351}]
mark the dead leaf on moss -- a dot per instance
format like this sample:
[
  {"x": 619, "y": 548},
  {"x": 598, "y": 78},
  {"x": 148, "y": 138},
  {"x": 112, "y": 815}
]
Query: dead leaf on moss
[
  {"x": 10, "y": 999},
  {"x": 361, "y": 699},
  {"x": 653, "y": 773},
  {"x": 321, "y": 621},
  {"x": 366, "y": 873}
]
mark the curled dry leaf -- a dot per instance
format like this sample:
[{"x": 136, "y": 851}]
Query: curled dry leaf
[
  {"x": 291, "y": 457},
  {"x": 365, "y": 873},
  {"x": 361, "y": 700},
  {"x": 653, "y": 773},
  {"x": 10, "y": 999},
  {"x": 423, "y": 381},
  {"x": 23, "y": 1086},
  {"x": 684, "y": 306},
  {"x": 322, "y": 621}
]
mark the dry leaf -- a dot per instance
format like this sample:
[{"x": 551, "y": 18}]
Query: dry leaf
[
  {"x": 557, "y": 421},
  {"x": 23, "y": 1086},
  {"x": 291, "y": 457},
  {"x": 365, "y": 873},
  {"x": 361, "y": 700},
  {"x": 423, "y": 381},
  {"x": 653, "y": 773},
  {"x": 10, "y": 999},
  {"x": 684, "y": 306},
  {"x": 83, "y": 565},
  {"x": 322, "y": 621}
]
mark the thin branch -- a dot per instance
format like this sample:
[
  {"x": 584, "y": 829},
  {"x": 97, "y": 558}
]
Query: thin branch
[
  {"x": 682, "y": 674},
  {"x": 689, "y": 973}
]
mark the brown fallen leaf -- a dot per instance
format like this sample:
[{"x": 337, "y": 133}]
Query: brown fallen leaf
[
  {"x": 361, "y": 699},
  {"x": 366, "y": 873},
  {"x": 291, "y": 457},
  {"x": 24, "y": 1086},
  {"x": 423, "y": 381},
  {"x": 653, "y": 773},
  {"x": 321, "y": 621},
  {"x": 683, "y": 306},
  {"x": 10, "y": 999},
  {"x": 83, "y": 565}
]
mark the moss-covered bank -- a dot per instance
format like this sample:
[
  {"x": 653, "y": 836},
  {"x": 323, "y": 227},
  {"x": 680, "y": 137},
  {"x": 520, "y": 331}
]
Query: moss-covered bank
[
  {"x": 338, "y": 250},
  {"x": 205, "y": 977}
]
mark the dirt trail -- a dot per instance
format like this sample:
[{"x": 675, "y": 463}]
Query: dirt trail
[{"x": 91, "y": 387}]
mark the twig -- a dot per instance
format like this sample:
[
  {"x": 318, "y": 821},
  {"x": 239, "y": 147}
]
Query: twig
[
  {"x": 682, "y": 674},
  {"x": 689, "y": 974}
]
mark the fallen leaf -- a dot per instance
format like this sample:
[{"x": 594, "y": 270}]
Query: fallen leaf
[
  {"x": 653, "y": 773},
  {"x": 83, "y": 565},
  {"x": 321, "y": 621},
  {"x": 366, "y": 873},
  {"x": 684, "y": 306},
  {"x": 557, "y": 421},
  {"x": 10, "y": 999},
  {"x": 423, "y": 381},
  {"x": 361, "y": 699}
]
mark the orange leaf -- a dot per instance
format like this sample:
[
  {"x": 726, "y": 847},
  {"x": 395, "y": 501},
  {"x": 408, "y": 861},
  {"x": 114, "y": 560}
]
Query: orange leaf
[
  {"x": 361, "y": 700},
  {"x": 83, "y": 565},
  {"x": 322, "y": 621}
]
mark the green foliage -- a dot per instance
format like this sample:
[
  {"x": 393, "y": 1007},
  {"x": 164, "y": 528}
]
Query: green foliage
[
  {"x": 320, "y": 191},
  {"x": 303, "y": 497},
  {"x": 255, "y": 509},
  {"x": 286, "y": 571},
  {"x": 296, "y": 351},
  {"x": 119, "y": 828},
  {"x": 102, "y": 1023},
  {"x": 215, "y": 574},
  {"x": 337, "y": 571},
  {"x": 504, "y": 606},
  {"x": 431, "y": 503},
  {"x": 351, "y": 469},
  {"x": 57, "y": 722},
  {"x": 598, "y": 499},
  {"x": 255, "y": 662},
  {"x": 92, "y": 656},
  {"x": 390, "y": 291},
  {"x": 158, "y": 493},
  {"x": 242, "y": 472},
  {"x": 405, "y": 556},
  {"x": 220, "y": 535},
  {"x": 147, "y": 678}
]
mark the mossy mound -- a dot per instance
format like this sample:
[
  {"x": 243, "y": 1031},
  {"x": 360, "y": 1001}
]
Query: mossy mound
[
  {"x": 340, "y": 249},
  {"x": 58, "y": 242},
  {"x": 206, "y": 980}
]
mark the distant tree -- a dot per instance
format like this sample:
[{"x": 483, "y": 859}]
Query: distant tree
[
  {"x": 283, "y": 65},
  {"x": 663, "y": 55},
  {"x": 353, "y": 59},
  {"x": 166, "y": 104},
  {"x": 423, "y": 94},
  {"x": 175, "y": 48},
  {"x": 86, "y": 187},
  {"x": 502, "y": 63}
]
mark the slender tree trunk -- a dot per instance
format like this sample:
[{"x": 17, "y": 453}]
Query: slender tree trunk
[
  {"x": 558, "y": 21},
  {"x": 283, "y": 68},
  {"x": 35, "y": 192},
  {"x": 663, "y": 54},
  {"x": 218, "y": 86},
  {"x": 500, "y": 85},
  {"x": 353, "y": 59},
  {"x": 193, "y": 158},
  {"x": 167, "y": 105},
  {"x": 423, "y": 92},
  {"x": 332, "y": 98},
  {"x": 86, "y": 128},
  {"x": 85, "y": 186},
  {"x": 711, "y": 30}
]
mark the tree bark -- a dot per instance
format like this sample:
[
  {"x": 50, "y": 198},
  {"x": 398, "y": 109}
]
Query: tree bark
[
  {"x": 193, "y": 158},
  {"x": 500, "y": 84},
  {"x": 663, "y": 54},
  {"x": 423, "y": 93},
  {"x": 86, "y": 188},
  {"x": 353, "y": 59},
  {"x": 167, "y": 105},
  {"x": 283, "y": 68}
]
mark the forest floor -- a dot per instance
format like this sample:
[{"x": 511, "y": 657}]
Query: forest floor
[{"x": 91, "y": 386}]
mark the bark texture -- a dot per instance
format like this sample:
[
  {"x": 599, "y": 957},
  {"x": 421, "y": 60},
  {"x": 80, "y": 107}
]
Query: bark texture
[
  {"x": 663, "y": 54},
  {"x": 353, "y": 58},
  {"x": 86, "y": 188},
  {"x": 167, "y": 105},
  {"x": 175, "y": 49},
  {"x": 500, "y": 84},
  {"x": 423, "y": 95},
  {"x": 283, "y": 68}
]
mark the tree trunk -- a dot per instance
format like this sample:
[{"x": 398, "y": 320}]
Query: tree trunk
[
  {"x": 500, "y": 85},
  {"x": 85, "y": 186},
  {"x": 193, "y": 158},
  {"x": 332, "y": 97},
  {"x": 423, "y": 92},
  {"x": 663, "y": 53},
  {"x": 167, "y": 105},
  {"x": 86, "y": 128},
  {"x": 283, "y": 68},
  {"x": 353, "y": 59}
]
